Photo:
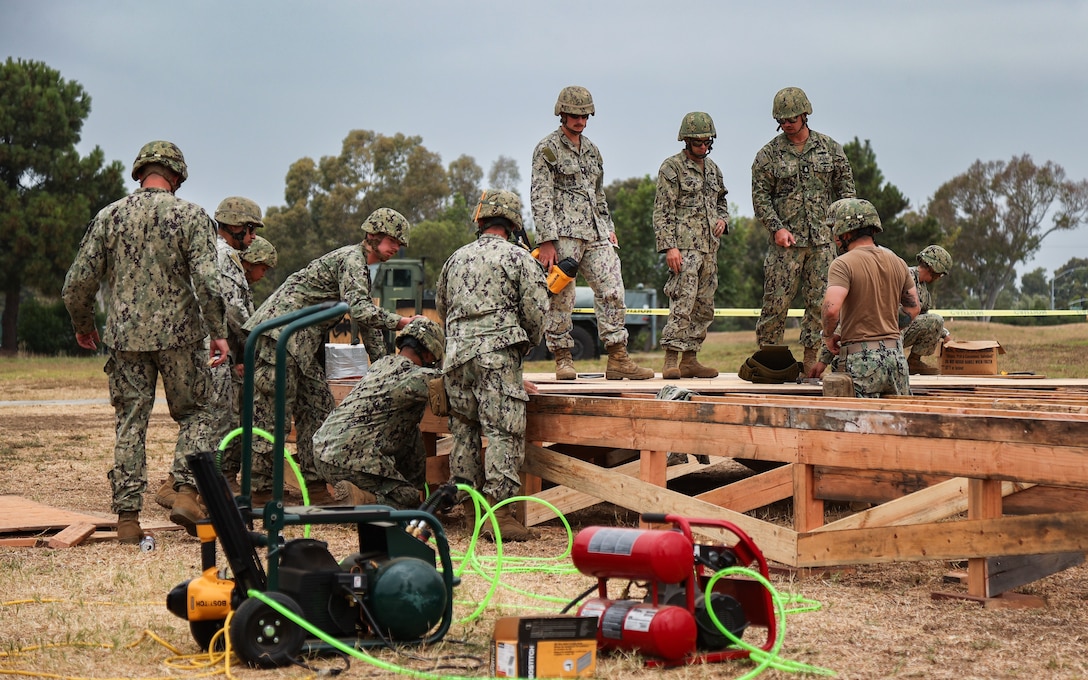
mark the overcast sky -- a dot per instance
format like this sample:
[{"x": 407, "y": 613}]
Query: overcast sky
[{"x": 247, "y": 87}]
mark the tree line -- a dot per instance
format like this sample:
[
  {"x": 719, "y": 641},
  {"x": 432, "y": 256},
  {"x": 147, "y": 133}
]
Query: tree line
[{"x": 991, "y": 218}]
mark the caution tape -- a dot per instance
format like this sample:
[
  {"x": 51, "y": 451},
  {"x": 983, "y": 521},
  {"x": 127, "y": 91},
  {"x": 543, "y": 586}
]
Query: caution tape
[{"x": 947, "y": 313}]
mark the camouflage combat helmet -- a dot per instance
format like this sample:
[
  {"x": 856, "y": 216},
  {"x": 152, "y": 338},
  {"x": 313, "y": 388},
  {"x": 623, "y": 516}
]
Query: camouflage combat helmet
[
  {"x": 849, "y": 214},
  {"x": 428, "y": 333},
  {"x": 261, "y": 251},
  {"x": 238, "y": 211},
  {"x": 696, "y": 125},
  {"x": 574, "y": 99},
  {"x": 499, "y": 203},
  {"x": 936, "y": 258},
  {"x": 790, "y": 102},
  {"x": 166, "y": 154},
  {"x": 388, "y": 221}
]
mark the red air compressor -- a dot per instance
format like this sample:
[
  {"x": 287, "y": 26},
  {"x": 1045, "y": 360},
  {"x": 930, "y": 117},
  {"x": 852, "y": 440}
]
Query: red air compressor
[{"x": 672, "y": 624}]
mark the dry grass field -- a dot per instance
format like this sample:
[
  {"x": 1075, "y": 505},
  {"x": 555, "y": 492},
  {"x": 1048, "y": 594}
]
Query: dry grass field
[{"x": 87, "y": 611}]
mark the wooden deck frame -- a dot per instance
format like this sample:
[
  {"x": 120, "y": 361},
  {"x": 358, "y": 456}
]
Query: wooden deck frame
[{"x": 983, "y": 454}]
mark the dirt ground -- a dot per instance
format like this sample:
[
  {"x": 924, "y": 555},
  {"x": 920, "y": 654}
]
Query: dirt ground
[{"x": 872, "y": 622}]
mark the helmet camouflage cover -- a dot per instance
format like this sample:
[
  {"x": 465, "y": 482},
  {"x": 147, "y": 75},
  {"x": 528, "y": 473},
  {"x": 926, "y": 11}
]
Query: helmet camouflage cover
[
  {"x": 499, "y": 203},
  {"x": 238, "y": 211},
  {"x": 164, "y": 153},
  {"x": 387, "y": 221},
  {"x": 849, "y": 214},
  {"x": 574, "y": 99},
  {"x": 936, "y": 258},
  {"x": 696, "y": 125},
  {"x": 261, "y": 251},
  {"x": 790, "y": 102},
  {"x": 428, "y": 333}
]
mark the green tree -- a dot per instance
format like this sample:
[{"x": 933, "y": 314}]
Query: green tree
[
  {"x": 327, "y": 201},
  {"x": 464, "y": 179},
  {"x": 504, "y": 174},
  {"x": 1070, "y": 284},
  {"x": 48, "y": 192},
  {"x": 631, "y": 202},
  {"x": 433, "y": 241},
  {"x": 1035, "y": 283},
  {"x": 994, "y": 216}
]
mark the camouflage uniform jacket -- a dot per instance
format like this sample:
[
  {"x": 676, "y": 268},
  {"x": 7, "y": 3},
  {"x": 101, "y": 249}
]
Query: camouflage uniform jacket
[
  {"x": 688, "y": 204},
  {"x": 236, "y": 296},
  {"x": 925, "y": 299},
  {"x": 792, "y": 190},
  {"x": 156, "y": 254},
  {"x": 338, "y": 275},
  {"x": 567, "y": 190},
  {"x": 492, "y": 295},
  {"x": 378, "y": 416}
]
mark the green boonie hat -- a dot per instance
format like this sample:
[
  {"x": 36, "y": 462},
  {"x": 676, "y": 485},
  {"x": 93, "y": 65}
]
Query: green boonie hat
[
  {"x": 936, "y": 258},
  {"x": 428, "y": 333},
  {"x": 238, "y": 211},
  {"x": 261, "y": 251},
  {"x": 850, "y": 214},
  {"x": 388, "y": 221},
  {"x": 499, "y": 203},
  {"x": 790, "y": 102},
  {"x": 696, "y": 125},
  {"x": 164, "y": 153},
  {"x": 574, "y": 99}
]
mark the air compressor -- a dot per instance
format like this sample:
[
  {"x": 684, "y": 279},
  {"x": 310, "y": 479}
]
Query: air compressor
[{"x": 671, "y": 625}]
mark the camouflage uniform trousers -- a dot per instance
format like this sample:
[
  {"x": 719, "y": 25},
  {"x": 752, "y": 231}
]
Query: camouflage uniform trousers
[
  {"x": 877, "y": 371},
  {"x": 487, "y": 398},
  {"x": 924, "y": 334},
  {"x": 599, "y": 265},
  {"x": 307, "y": 402},
  {"x": 784, "y": 269},
  {"x": 691, "y": 301},
  {"x": 132, "y": 380},
  {"x": 394, "y": 478}
]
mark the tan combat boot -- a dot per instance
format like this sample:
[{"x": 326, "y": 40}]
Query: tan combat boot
[
  {"x": 811, "y": 356},
  {"x": 564, "y": 365},
  {"x": 346, "y": 493},
  {"x": 691, "y": 368},
  {"x": 509, "y": 526},
  {"x": 918, "y": 367},
  {"x": 671, "y": 370},
  {"x": 165, "y": 495},
  {"x": 186, "y": 510},
  {"x": 620, "y": 366},
  {"x": 128, "y": 527}
]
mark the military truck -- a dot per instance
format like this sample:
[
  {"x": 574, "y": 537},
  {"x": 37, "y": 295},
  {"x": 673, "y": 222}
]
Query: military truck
[{"x": 399, "y": 287}]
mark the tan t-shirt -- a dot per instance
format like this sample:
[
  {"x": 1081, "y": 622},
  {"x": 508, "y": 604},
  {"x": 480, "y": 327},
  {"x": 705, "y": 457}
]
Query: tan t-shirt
[{"x": 876, "y": 279}]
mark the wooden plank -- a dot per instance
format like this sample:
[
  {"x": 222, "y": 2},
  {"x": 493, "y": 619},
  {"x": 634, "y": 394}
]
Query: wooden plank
[
  {"x": 72, "y": 535},
  {"x": 983, "y": 502},
  {"x": 808, "y": 511},
  {"x": 1003, "y": 601},
  {"x": 777, "y": 543},
  {"x": 22, "y": 542},
  {"x": 1026, "y": 535},
  {"x": 1041, "y": 499},
  {"x": 753, "y": 492},
  {"x": 869, "y": 486},
  {"x": 1012, "y": 571}
]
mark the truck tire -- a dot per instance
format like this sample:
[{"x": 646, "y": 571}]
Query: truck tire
[{"x": 585, "y": 344}]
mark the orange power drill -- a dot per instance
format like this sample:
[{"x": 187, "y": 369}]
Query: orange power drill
[{"x": 561, "y": 274}]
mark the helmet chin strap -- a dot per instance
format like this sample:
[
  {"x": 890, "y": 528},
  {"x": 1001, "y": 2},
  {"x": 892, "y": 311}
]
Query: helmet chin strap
[{"x": 700, "y": 156}]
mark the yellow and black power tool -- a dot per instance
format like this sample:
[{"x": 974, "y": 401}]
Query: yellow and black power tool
[{"x": 561, "y": 274}]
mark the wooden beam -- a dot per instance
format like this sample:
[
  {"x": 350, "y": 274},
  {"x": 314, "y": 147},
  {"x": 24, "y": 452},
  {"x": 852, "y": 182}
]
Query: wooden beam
[
  {"x": 983, "y": 502},
  {"x": 777, "y": 543},
  {"x": 753, "y": 492}
]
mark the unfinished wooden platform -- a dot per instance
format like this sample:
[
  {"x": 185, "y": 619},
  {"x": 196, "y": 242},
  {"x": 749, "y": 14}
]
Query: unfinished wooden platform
[
  {"x": 27, "y": 523},
  {"x": 993, "y": 470}
]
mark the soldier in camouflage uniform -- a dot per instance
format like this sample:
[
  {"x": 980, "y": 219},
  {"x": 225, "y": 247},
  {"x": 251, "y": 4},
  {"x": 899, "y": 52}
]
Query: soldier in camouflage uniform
[
  {"x": 238, "y": 219},
  {"x": 927, "y": 330},
  {"x": 342, "y": 274},
  {"x": 370, "y": 448},
  {"x": 795, "y": 177},
  {"x": 257, "y": 259},
  {"x": 867, "y": 289},
  {"x": 690, "y": 215},
  {"x": 492, "y": 295},
  {"x": 156, "y": 254},
  {"x": 572, "y": 220}
]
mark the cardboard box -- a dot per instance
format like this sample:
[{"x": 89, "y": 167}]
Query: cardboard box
[
  {"x": 544, "y": 647},
  {"x": 973, "y": 357}
]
